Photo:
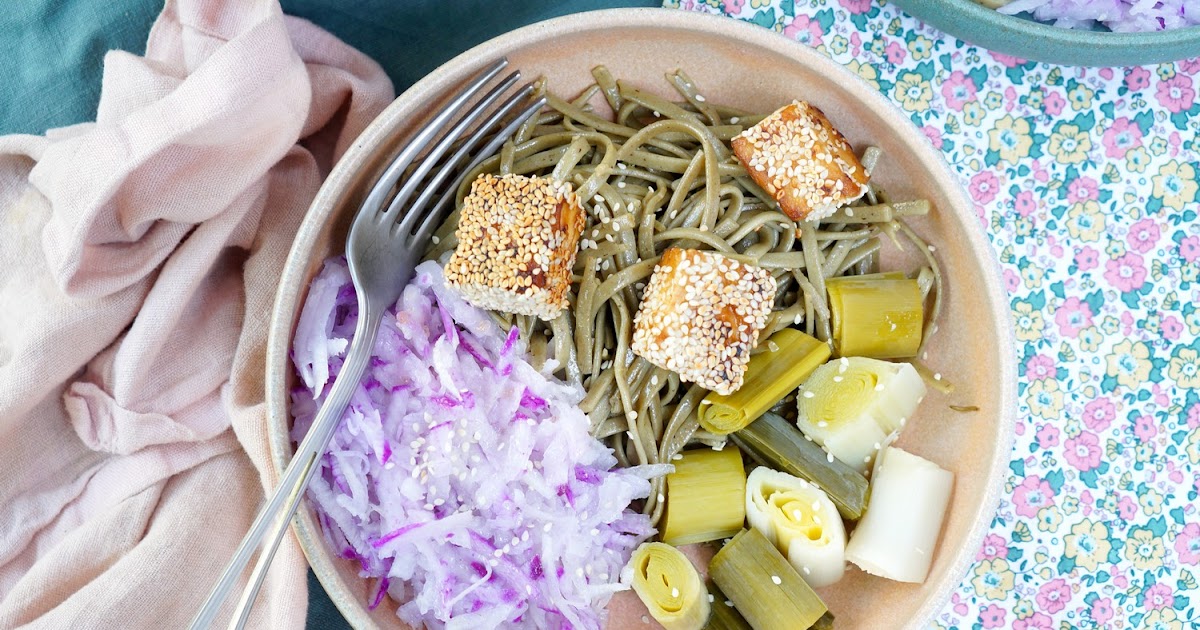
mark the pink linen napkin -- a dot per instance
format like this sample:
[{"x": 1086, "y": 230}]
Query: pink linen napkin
[{"x": 138, "y": 261}]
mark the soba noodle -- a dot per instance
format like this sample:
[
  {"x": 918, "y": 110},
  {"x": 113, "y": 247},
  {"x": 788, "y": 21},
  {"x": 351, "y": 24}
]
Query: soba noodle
[{"x": 661, "y": 174}]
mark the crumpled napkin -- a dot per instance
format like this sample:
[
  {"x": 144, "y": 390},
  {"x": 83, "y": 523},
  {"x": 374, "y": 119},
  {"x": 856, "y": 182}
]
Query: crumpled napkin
[{"x": 139, "y": 257}]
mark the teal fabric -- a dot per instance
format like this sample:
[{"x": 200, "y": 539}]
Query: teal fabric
[{"x": 54, "y": 49}]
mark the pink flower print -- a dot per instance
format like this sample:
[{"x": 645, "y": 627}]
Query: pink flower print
[
  {"x": 1054, "y": 595},
  {"x": 1025, "y": 203},
  {"x": 1143, "y": 235},
  {"x": 1072, "y": 316},
  {"x": 935, "y": 136},
  {"x": 1119, "y": 580},
  {"x": 734, "y": 6},
  {"x": 1171, "y": 328},
  {"x": 1054, "y": 103},
  {"x": 1189, "y": 248},
  {"x": 1047, "y": 436},
  {"x": 1193, "y": 416},
  {"x": 1187, "y": 544},
  {"x": 1037, "y": 621},
  {"x": 1032, "y": 495},
  {"x": 804, "y": 30},
  {"x": 1145, "y": 428},
  {"x": 994, "y": 546},
  {"x": 1190, "y": 66},
  {"x": 1101, "y": 611},
  {"x": 960, "y": 608},
  {"x": 1083, "y": 451},
  {"x": 1126, "y": 510},
  {"x": 1159, "y": 596},
  {"x": 1039, "y": 367},
  {"x": 992, "y": 617},
  {"x": 1087, "y": 258},
  {"x": 958, "y": 90},
  {"x": 1126, "y": 323},
  {"x": 1126, "y": 273},
  {"x": 1137, "y": 79},
  {"x": 1012, "y": 281},
  {"x": 1007, "y": 61},
  {"x": 1106, "y": 74},
  {"x": 895, "y": 53},
  {"x": 857, "y": 6},
  {"x": 1176, "y": 93},
  {"x": 1099, "y": 414},
  {"x": 1121, "y": 137},
  {"x": 984, "y": 187},
  {"x": 1083, "y": 189}
]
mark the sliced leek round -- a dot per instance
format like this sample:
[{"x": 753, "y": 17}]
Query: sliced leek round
[
  {"x": 851, "y": 405},
  {"x": 895, "y": 538},
  {"x": 669, "y": 586},
  {"x": 800, "y": 520}
]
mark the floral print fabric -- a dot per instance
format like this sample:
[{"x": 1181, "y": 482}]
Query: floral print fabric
[{"x": 1086, "y": 182}]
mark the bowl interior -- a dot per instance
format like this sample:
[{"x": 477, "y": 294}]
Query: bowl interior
[
  {"x": 1029, "y": 39},
  {"x": 757, "y": 70}
]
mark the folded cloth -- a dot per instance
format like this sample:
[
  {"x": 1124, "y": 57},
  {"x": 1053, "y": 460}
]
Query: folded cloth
[{"x": 139, "y": 256}]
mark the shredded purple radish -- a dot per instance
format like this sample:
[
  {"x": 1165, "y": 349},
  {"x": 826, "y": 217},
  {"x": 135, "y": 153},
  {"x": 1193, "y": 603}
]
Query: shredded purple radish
[
  {"x": 461, "y": 478},
  {"x": 1117, "y": 15}
]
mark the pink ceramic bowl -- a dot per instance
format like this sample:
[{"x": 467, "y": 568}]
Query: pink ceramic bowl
[{"x": 758, "y": 70}]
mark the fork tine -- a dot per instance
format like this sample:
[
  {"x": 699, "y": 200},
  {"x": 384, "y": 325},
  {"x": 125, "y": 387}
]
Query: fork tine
[
  {"x": 444, "y": 144},
  {"x": 466, "y": 150},
  {"x": 379, "y": 192},
  {"x": 432, "y": 219}
]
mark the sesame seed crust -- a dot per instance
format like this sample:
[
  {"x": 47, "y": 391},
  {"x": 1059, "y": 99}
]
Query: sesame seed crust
[
  {"x": 806, "y": 164},
  {"x": 701, "y": 316},
  {"x": 517, "y": 241}
]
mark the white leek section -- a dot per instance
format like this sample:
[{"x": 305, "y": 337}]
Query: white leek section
[
  {"x": 896, "y": 536},
  {"x": 852, "y": 405},
  {"x": 800, "y": 520}
]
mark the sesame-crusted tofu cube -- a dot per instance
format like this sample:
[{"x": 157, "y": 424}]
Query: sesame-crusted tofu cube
[
  {"x": 701, "y": 316},
  {"x": 798, "y": 157},
  {"x": 517, "y": 240}
]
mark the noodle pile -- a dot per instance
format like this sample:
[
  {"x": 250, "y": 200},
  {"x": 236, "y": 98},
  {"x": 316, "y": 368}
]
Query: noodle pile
[{"x": 661, "y": 174}]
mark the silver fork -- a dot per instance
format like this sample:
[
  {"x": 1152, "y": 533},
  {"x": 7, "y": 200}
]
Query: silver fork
[{"x": 382, "y": 248}]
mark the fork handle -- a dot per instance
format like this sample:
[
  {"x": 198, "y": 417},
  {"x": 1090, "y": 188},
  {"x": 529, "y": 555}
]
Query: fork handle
[{"x": 277, "y": 513}]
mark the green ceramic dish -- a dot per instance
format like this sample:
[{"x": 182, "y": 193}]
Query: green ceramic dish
[{"x": 1027, "y": 39}]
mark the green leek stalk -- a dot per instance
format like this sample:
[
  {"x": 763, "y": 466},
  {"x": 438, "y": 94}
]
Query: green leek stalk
[
  {"x": 706, "y": 496},
  {"x": 790, "y": 356},
  {"x": 669, "y": 586},
  {"x": 881, "y": 316},
  {"x": 763, "y": 587},
  {"x": 778, "y": 444},
  {"x": 723, "y": 616}
]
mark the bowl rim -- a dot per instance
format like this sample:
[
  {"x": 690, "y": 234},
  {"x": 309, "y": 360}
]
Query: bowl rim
[
  {"x": 1010, "y": 28},
  {"x": 370, "y": 143}
]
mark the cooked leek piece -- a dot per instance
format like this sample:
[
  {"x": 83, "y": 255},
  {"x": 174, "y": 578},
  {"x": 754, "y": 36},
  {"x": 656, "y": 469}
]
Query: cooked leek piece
[
  {"x": 669, "y": 586},
  {"x": 800, "y": 521},
  {"x": 789, "y": 358},
  {"x": 768, "y": 592},
  {"x": 706, "y": 496},
  {"x": 723, "y": 616},
  {"x": 851, "y": 405},
  {"x": 776, "y": 443},
  {"x": 880, "y": 316},
  {"x": 895, "y": 538}
]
